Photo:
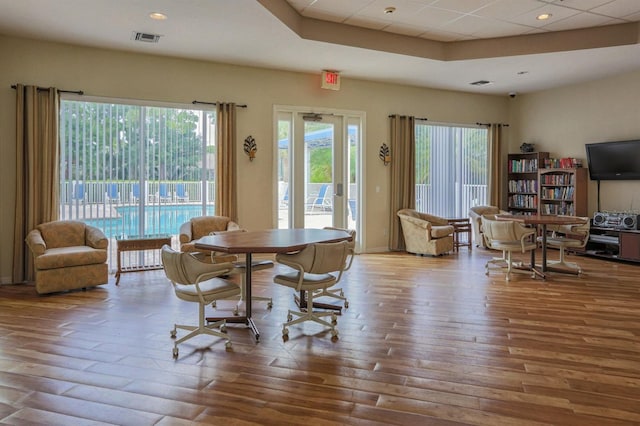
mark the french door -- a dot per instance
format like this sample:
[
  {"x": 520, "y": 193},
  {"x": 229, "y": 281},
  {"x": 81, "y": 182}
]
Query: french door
[{"x": 317, "y": 169}]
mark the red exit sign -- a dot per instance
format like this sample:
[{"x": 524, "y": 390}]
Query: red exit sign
[{"x": 330, "y": 80}]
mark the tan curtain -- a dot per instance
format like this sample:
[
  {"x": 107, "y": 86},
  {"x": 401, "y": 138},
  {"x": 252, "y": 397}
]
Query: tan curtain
[
  {"x": 226, "y": 200},
  {"x": 37, "y": 170},
  {"x": 403, "y": 174},
  {"x": 495, "y": 165}
]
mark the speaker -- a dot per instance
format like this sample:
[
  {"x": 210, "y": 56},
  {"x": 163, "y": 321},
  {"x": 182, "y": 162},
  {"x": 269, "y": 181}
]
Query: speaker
[
  {"x": 599, "y": 218},
  {"x": 630, "y": 221}
]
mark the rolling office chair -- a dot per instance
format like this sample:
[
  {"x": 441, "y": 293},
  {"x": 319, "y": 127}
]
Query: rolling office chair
[
  {"x": 507, "y": 236},
  {"x": 198, "y": 282},
  {"x": 317, "y": 266},
  {"x": 568, "y": 236}
]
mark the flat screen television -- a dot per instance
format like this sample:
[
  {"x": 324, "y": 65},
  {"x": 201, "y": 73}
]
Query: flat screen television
[{"x": 614, "y": 160}]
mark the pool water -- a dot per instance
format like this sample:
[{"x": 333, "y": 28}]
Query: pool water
[{"x": 162, "y": 219}]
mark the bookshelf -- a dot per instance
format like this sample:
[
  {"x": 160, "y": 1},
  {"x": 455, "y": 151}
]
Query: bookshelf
[
  {"x": 563, "y": 191},
  {"x": 523, "y": 181}
]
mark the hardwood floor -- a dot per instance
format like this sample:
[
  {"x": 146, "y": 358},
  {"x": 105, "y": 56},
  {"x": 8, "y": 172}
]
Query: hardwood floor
[{"x": 424, "y": 341}]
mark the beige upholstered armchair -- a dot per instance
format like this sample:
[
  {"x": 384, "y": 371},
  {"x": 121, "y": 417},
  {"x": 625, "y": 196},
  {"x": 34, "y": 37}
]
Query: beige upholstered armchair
[
  {"x": 68, "y": 255},
  {"x": 425, "y": 233},
  {"x": 475, "y": 214},
  {"x": 199, "y": 227}
]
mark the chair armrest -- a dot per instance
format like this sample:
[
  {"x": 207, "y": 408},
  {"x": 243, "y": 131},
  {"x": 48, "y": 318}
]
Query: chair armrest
[
  {"x": 185, "y": 232},
  {"x": 95, "y": 238},
  {"x": 526, "y": 234},
  {"x": 36, "y": 243}
]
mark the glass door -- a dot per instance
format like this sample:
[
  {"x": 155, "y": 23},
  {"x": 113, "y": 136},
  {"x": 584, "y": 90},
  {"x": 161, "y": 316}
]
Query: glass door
[{"x": 313, "y": 171}]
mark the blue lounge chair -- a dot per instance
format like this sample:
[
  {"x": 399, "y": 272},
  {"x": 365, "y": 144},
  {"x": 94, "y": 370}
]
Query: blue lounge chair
[
  {"x": 112, "y": 195},
  {"x": 135, "y": 193},
  {"x": 78, "y": 192},
  {"x": 163, "y": 193},
  {"x": 181, "y": 193},
  {"x": 321, "y": 201}
]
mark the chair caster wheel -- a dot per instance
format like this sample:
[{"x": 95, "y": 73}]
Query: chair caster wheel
[
  {"x": 235, "y": 311},
  {"x": 289, "y": 317},
  {"x": 346, "y": 304},
  {"x": 173, "y": 334},
  {"x": 341, "y": 293},
  {"x": 228, "y": 344},
  {"x": 285, "y": 333},
  {"x": 213, "y": 304},
  {"x": 223, "y": 328},
  {"x": 334, "y": 334},
  {"x": 175, "y": 352},
  {"x": 269, "y": 305}
]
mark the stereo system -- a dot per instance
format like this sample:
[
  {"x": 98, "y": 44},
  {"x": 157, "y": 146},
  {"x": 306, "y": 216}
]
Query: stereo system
[{"x": 616, "y": 220}]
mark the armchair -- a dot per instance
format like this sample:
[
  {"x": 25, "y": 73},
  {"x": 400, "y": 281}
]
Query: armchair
[
  {"x": 425, "y": 233},
  {"x": 199, "y": 227},
  {"x": 475, "y": 214},
  {"x": 68, "y": 255}
]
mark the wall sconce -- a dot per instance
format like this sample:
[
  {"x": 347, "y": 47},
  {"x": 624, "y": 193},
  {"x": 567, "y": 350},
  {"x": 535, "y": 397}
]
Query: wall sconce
[
  {"x": 250, "y": 147},
  {"x": 385, "y": 155}
]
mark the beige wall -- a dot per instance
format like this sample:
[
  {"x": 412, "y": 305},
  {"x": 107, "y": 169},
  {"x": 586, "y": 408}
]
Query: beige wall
[
  {"x": 125, "y": 75},
  {"x": 561, "y": 121}
]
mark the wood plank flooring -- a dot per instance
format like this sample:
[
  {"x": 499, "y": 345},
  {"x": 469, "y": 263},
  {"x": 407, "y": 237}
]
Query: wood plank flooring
[{"x": 425, "y": 341}]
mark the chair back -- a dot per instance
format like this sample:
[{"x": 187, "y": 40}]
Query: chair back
[
  {"x": 499, "y": 230},
  {"x": 184, "y": 268},
  {"x": 351, "y": 245},
  {"x": 329, "y": 257}
]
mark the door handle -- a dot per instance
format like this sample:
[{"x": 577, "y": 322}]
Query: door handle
[{"x": 339, "y": 190}]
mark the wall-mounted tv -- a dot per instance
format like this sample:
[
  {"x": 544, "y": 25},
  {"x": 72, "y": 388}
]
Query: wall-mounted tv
[{"x": 614, "y": 160}]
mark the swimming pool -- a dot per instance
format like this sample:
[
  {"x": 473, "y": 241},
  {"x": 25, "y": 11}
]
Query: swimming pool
[{"x": 158, "y": 219}]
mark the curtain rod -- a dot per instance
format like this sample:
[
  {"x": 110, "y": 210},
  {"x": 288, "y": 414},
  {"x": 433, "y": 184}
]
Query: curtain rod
[
  {"x": 77, "y": 92},
  {"x": 489, "y": 124},
  {"x": 416, "y": 118},
  {"x": 214, "y": 103}
]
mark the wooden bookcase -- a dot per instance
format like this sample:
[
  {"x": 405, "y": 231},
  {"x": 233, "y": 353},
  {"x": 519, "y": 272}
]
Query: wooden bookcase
[
  {"x": 563, "y": 191},
  {"x": 523, "y": 181}
]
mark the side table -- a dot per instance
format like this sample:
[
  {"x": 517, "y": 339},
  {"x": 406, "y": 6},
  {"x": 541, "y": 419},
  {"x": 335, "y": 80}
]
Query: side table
[
  {"x": 139, "y": 243},
  {"x": 461, "y": 233}
]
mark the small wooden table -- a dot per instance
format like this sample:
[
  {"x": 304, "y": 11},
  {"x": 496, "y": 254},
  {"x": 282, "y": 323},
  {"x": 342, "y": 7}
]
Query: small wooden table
[
  {"x": 461, "y": 227},
  {"x": 138, "y": 243}
]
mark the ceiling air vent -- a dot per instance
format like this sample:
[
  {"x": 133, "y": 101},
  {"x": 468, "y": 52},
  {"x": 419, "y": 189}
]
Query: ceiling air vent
[
  {"x": 145, "y": 37},
  {"x": 480, "y": 83}
]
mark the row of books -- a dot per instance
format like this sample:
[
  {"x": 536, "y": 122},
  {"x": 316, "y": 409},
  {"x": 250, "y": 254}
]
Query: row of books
[
  {"x": 562, "y": 163},
  {"x": 523, "y": 185},
  {"x": 523, "y": 201},
  {"x": 523, "y": 166},
  {"x": 564, "y": 193},
  {"x": 561, "y": 179},
  {"x": 563, "y": 209}
]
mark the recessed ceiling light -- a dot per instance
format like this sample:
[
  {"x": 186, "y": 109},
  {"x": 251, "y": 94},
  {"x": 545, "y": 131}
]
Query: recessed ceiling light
[
  {"x": 389, "y": 10},
  {"x": 158, "y": 16},
  {"x": 543, "y": 16},
  {"x": 481, "y": 83},
  {"x": 523, "y": 72}
]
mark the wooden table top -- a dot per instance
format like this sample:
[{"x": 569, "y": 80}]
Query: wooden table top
[
  {"x": 269, "y": 240},
  {"x": 541, "y": 219}
]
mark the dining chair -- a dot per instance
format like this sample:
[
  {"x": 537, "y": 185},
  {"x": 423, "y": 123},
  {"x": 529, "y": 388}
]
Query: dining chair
[
  {"x": 338, "y": 293},
  {"x": 201, "y": 283},
  {"x": 563, "y": 237},
  {"x": 317, "y": 266},
  {"x": 507, "y": 236}
]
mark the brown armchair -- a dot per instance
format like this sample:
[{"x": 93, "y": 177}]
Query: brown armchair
[
  {"x": 475, "y": 214},
  {"x": 199, "y": 227},
  {"x": 68, "y": 255},
  {"x": 425, "y": 233}
]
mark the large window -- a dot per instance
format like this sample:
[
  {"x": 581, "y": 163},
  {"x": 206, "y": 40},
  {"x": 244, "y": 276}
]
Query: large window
[
  {"x": 133, "y": 169},
  {"x": 451, "y": 168}
]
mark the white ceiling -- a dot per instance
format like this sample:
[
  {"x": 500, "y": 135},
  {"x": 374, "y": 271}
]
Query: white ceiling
[{"x": 434, "y": 43}]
